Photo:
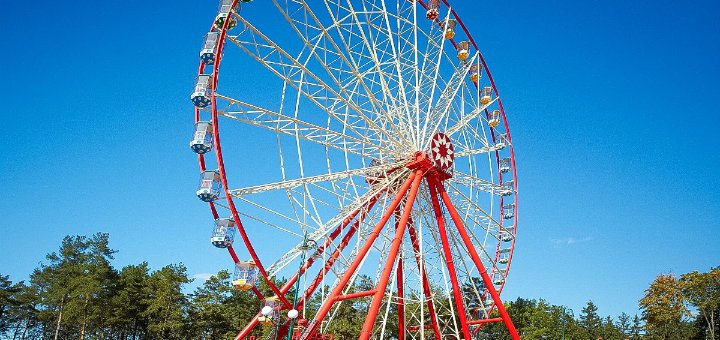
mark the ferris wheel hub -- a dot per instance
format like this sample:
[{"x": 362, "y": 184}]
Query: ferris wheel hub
[{"x": 436, "y": 161}]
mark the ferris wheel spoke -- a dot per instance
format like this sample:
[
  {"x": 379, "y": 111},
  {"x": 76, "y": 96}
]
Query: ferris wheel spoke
[
  {"x": 277, "y": 122},
  {"x": 471, "y": 181},
  {"x": 297, "y": 14},
  {"x": 322, "y": 230},
  {"x": 397, "y": 56},
  {"x": 382, "y": 169},
  {"x": 373, "y": 54},
  {"x": 433, "y": 64},
  {"x": 297, "y": 75},
  {"x": 464, "y": 120},
  {"x": 442, "y": 107}
]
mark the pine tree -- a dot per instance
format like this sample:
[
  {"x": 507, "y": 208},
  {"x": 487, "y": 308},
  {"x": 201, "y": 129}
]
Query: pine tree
[
  {"x": 128, "y": 302},
  {"x": 166, "y": 303},
  {"x": 590, "y": 320},
  {"x": 636, "y": 328},
  {"x": 624, "y": 324}
]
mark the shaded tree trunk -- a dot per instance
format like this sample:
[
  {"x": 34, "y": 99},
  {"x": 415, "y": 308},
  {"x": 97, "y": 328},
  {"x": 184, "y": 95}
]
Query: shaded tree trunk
[
  {"x": 59, "y": 319},
  {"x": 84, "y": 322}
]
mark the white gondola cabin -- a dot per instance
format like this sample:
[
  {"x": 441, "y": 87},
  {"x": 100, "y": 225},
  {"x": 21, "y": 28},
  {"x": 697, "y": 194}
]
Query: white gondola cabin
[
  {"x": 508, "y": 211},
  {"x": 210, "y": 186},
  {"x": 494, "y": 118},
  {"x": 500, "y": 141},
  {"x": 505, "y": 165},
  {"x": 504, "y": 256},
  {"x": 506, "y": 236},
  {"x": 245, "y": 277},
  {"x": 269, "y": 312},
  {"x": 201, "y": 94},
  {"x": 433, "y": 9},
  {"x": 474, "y": 73},
  {"x": 507, "y": 188},
  {"x": 463, "y": 50},
  {"x": 207, "y": 53},
  {"x": 449, "y": 28},
  {"x": 202, "y": 141},
  {"x": 223, "y": 232},
  {"x": 486, "y": 95},
  {"x": 498, "y": 278},
  {"x": 225, "y": 12}
]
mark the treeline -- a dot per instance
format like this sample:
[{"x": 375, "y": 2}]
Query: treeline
[{"x": 77, "y": 294}]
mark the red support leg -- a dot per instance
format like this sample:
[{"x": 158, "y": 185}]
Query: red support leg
[
  {"x": 288, "y": 285},
  {"x": 335, "y": 255},
  {"x": 457, "y": 293},
  {"x": 366, "y": 331},
  {"x": 401, "y": 300},
  {"x": 325, "y": 308},
  {"x": 425, "y": 282},
  {"x": 478, "y": 262}
]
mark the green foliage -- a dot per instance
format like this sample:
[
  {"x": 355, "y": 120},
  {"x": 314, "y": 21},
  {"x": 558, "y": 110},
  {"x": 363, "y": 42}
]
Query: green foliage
[
  {"x": 702, "y": 291},
  {"x": 590, "y": 320},
  {"x": 77, "y": 294}
]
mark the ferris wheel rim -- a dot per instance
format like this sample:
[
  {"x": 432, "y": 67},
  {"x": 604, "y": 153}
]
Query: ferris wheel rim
[{"x": 221, "y": 167}]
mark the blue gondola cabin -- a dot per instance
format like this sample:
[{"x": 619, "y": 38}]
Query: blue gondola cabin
[
  {"x": 202, "y": 141},
  {"x": 223, "y": 233},
  {"x": 210, "y": 186},
  {"x": 201, "y": 94},
  {"x": 207, "y": 53}
]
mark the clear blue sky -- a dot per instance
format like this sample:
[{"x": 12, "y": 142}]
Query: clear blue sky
[{"x": 612, "y": 106}]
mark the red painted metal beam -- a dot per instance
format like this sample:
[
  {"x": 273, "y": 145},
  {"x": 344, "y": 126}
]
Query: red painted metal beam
[
  {"x": 401, "y": 300},
  {"x": 425, "y": 282},
  {"x": 457, "y": 220},
  {"x": 325, "y": 308},
  {"x": 333, "y": 257},
  {"x": 356, "y": 295},
  {"x": 366, "y": 331},
  {"x": 288, "y": 285},
  {"x": 447, "y": 252},
  {"x": 484, "y": 321}
]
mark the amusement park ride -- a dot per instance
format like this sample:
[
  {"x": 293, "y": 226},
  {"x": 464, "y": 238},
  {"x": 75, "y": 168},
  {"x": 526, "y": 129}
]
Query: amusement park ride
[{"x": 393, "y": 167}]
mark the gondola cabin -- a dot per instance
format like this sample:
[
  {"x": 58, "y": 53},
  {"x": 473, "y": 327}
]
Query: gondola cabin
[
  {"x": 202, "y": 141},
  {"x": 449, "y": 28},
  {"x": 201, "y": 94},
  {"x": 494, "y": 118},
  {"x": 498, "y": 279},
  {"x": 225, "y": 12},
  {"x": 433, "y": 9},
  {"x": 506, "y": 236},
  {"x": 474, "y": 73},
  {"x": 504, "y": 256},
  {"x": 507, "y": 188},
  {"x": 207, "y": 53},
  {"x": 269, "y": 312},
  {"x": 463, "y": 50},
  {"x": 500, "y": 142},
  {"x": 508, "y": 211},
  {"x": 505, "y": 165},
  {"x": 486, "y": 95},
  {"x": 210, "y": 186},
  {"x": 245, "y": 277},
  {"x": 223, "y": 232}
]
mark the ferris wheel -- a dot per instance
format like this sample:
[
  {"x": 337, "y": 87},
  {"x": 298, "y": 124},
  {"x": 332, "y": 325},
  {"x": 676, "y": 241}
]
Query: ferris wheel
[{"x": 365, "y": 158}]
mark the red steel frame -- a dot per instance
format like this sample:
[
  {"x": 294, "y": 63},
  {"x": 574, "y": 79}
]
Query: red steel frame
[{"x": 434, "y": 185}]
